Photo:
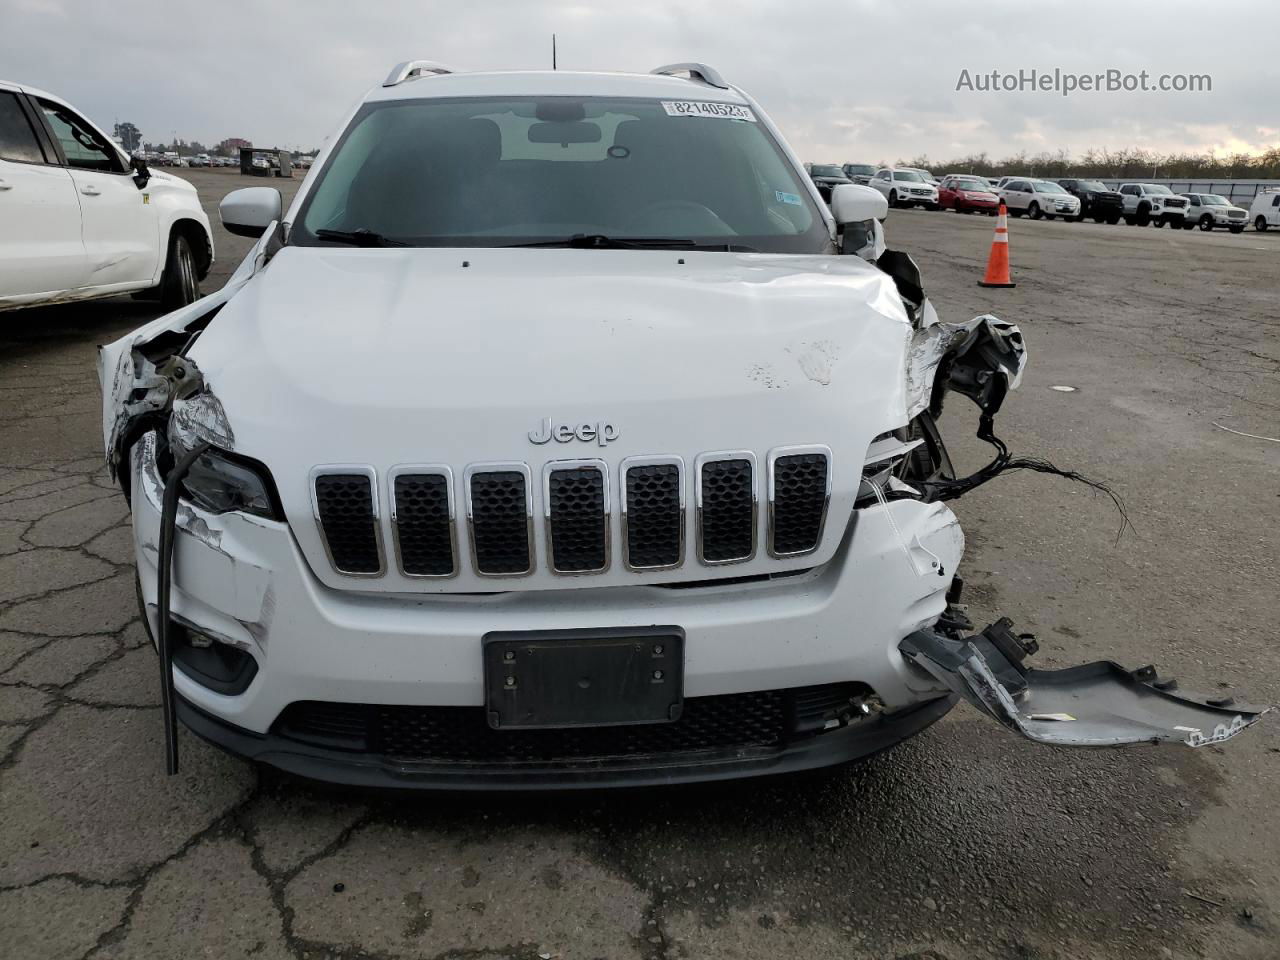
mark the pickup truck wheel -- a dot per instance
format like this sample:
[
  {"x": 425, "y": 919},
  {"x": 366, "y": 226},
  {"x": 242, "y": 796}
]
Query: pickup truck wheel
[
  {"x": 179, "y": 286},
  {"x": 1033, "y": 211},
  {"x": 1158, "y": 223},
  {"x": 1100, "y": 219},
  {"x": 1144, "y": 216},
  {"x": 1206, "y": 223},
  {"x": 1260, "y": 224}
]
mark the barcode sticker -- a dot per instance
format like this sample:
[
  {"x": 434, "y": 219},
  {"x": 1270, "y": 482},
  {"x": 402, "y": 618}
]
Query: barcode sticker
[{"x": 702, "y": 108}]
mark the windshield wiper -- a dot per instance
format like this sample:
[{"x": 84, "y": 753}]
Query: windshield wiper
[
  {"x": 599, "y": 241},
  {"x": 359, "y": 238}
]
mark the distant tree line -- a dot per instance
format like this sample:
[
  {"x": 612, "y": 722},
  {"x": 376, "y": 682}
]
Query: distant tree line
[{"x": 1114, "y": 164}]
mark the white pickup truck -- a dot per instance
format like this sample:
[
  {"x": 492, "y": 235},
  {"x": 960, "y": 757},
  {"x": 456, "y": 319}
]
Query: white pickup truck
[{"x": 1152, "y": 203}]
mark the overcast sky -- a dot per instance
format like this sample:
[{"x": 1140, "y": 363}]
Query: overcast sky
[{"x": 846, "y": 80}]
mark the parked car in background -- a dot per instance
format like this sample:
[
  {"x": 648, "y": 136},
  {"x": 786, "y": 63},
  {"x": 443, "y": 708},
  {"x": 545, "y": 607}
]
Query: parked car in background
[
  {"x": 860, "y": 172},
  {"x": 1264, "y": 212},
  {"x": 924, "y": 174},
  {"x": 80, "y": 219},
  {"x": 1146, "y": 203},
  {"x": 826, "y": 176},
  {"x": 1096, "y": 199},
  {"x": 905, "y": 188},
  {"x": 1039, "y": 198},
  {"x": 199, "y": 160},
  {"x": 1208, "y": 210},
  {"x": 965, "y": 194}
]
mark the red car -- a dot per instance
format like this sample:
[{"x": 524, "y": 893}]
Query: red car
[{"x": 966, "y": 194}]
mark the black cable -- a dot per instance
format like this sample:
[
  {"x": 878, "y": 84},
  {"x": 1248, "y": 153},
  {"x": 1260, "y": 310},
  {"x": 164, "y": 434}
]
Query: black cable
[
  {"x": 1004, "y": 463},
  {"x": 164, "y": 577}
]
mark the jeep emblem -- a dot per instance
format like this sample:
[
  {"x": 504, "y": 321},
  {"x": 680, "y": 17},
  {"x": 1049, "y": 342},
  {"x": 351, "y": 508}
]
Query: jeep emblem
[{"x": 602, "y": 432}]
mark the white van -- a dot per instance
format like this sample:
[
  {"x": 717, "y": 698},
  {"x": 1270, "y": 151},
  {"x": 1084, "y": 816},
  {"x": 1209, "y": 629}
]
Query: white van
[{"x": 1265, "y": 209}]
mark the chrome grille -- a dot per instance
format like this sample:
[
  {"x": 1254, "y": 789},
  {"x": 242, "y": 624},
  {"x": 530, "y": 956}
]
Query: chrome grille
[
  {"x": 500, "y": 514},
  {"x": 576, "y": 498},
  {"x": 726, "y": 496},
  {"x": 576, "y": 504},
  {"x": 653, "y": 512},
  {"x": 345, "y": 508},
  {"x": 799, "y": 490},
  {"x": 422, "y": 521}
]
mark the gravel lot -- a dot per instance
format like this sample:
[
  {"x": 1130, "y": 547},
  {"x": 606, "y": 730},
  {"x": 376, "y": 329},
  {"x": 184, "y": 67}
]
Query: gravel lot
[{"x": 964, "y": 843}]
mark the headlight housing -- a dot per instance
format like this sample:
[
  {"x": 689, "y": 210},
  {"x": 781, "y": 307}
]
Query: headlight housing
[{"x": 221, "y": 482}]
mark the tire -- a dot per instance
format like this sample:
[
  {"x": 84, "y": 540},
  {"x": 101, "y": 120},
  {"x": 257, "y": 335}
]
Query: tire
[
  {"x": 179, "y": 286},
  {"x": 1205, "y": 223},
  {"x": 1143, "y": 216},
  {"x": 1158, "y": 223},
  {"x": 1260, "y": 224},
  {"x": 1239, "y": 229},
  {"x": 1101, "y": 219},
  {"x": 1050, "y": 216},
  {"x": 893, "y": 198},
  {"x": 1113, "y": 219},
  {"x": 1033, "y": 210}
]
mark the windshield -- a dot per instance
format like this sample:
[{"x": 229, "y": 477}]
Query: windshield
[
  {"x": 520, "y": 170},
  {"x": 826, "y": 170},
  {"x": 1213, "y": 200},
  {"x": 1044, "y": 186},
  {"x": 1159, "y": 188},
  {"x": 980, "y": 185},
  {"x": 859, "y": 168},
  {"x": 908, "y": 175},
  {"x": 1094, "y": 185}
]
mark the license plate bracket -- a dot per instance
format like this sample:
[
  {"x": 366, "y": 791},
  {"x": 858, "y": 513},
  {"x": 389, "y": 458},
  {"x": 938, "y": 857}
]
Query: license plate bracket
[{"x": 616, "y": 676}]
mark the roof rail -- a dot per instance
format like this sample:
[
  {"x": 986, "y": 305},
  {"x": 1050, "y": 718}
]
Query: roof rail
[
  {"x": 696, "y": 71},
  {"x": 413, "y": 68}
]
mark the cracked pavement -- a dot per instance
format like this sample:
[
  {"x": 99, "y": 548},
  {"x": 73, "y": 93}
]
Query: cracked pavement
[{"x": 964, "y": 843}]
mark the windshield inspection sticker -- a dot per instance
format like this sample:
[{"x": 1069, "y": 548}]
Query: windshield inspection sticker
[
  {"x": 699, "y": 108},
  {"x": 790, "y": 198}
]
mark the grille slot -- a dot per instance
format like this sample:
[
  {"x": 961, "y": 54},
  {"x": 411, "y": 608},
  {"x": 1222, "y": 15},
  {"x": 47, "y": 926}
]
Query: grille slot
[
  {"x": 653, "y": 514},
  {"x": 576, "y": 498},
  {"x": 726, "y": 507},
  {"x": 347, "y": 513},
  {"x": 423, "y": 520},
  {"x": 799, "y": 490},
  {"x": 461, "y": 734},
  {"x": 499, "y": 510}
]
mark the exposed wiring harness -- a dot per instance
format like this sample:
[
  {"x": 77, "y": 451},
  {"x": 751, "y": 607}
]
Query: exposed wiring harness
[{"x": 164, "y": 584}]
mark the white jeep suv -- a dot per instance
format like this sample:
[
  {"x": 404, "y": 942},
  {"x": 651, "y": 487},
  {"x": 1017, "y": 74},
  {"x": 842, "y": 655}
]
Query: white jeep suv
[
  {"x": 80, "y": 219},
  {"x": 549, "y": 440}
]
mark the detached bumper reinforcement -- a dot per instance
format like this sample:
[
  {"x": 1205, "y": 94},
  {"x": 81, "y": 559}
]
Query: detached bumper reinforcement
[
  {"x": 857, "y": 740},
  {"x": 1094, "y": 705}
]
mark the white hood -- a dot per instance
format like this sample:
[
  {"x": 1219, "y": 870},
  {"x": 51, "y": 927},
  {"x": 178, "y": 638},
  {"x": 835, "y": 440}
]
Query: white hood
[{"x": 450, "y": 356}]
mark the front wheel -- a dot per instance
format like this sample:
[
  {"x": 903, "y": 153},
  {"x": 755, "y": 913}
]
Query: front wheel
[
  {"x": 179, "y": 285},
  {"x": 893, "y": 198},
  {"x": 1206, "y": 223}
]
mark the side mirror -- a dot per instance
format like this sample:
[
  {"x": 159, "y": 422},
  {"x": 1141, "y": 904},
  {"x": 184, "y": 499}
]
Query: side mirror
[
  {"x": 854, "y": 203},
  {"x": 249, "y": 211},
  {"x": 141, "y": 172},
  {"x": 857, "y": 210}
]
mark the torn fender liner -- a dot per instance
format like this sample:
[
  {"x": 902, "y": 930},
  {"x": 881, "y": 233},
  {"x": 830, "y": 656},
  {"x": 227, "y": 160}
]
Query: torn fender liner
[
  {"x": 982, "y": 358},
  {"x": 1094, "y": 705}
]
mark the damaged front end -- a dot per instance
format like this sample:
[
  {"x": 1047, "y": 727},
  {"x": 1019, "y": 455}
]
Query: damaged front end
[{"x": 1095, "y": 704}]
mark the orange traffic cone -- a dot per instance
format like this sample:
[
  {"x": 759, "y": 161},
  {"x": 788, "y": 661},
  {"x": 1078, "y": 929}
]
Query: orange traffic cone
[{"x": 998, "y": 262}]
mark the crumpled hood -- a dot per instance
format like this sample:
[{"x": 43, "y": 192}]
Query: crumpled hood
[{"x": 378, "y": 354}]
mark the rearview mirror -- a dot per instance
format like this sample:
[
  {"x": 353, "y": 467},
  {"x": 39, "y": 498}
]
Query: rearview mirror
[
  {"x": 249, "y": 211},
  {"x": 564, "y": 133},
  {"x": 854, "y": 203}
]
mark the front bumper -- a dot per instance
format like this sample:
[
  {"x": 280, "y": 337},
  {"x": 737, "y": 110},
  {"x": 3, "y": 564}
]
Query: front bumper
[
  {"x": 244, "y": 582},
  {"x": 857, "y": 740}
]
